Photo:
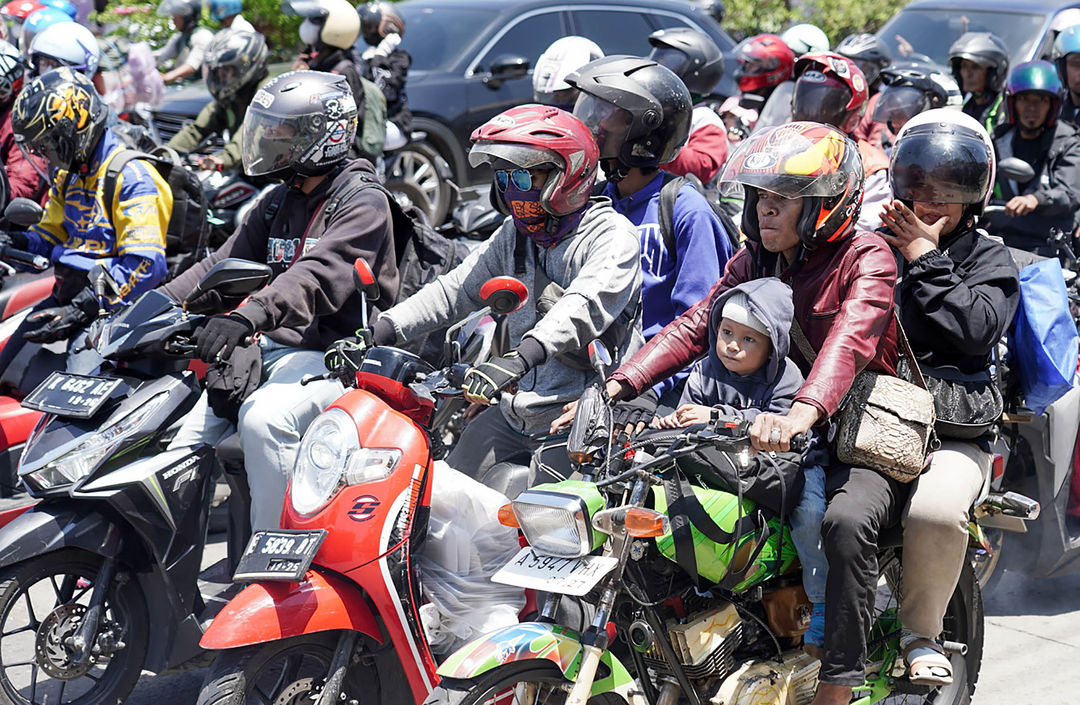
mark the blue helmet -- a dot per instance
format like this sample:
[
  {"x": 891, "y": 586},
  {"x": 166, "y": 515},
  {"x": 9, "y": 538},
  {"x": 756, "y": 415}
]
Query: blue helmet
[
  {"x": 45, "y": 17},
  {"x": 220, "y": 9},
  {"x": 64, "y": 6},
  {"x": 1067, "y": 42}
]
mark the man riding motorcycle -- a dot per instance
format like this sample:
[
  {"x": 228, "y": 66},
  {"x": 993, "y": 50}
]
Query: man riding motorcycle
[
  {"x": 384, "y": 62},
  {"x": 187, "y": 48},
  {"x": 25, "y": 173},
  {"x": 60, "y": 117},
  {"x": 235, "y": 66},
  {"x": 980, "y": 64},
  {"x": 298, "y": 127}
]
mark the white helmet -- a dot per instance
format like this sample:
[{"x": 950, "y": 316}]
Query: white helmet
[
  {"x": 1065, "y": 19},
  {"x": 806, "y": 39},
  {"x": 558, "y": 61},
  {"x": 65, "y": 44},
  {"x": 332, "y": 22}
]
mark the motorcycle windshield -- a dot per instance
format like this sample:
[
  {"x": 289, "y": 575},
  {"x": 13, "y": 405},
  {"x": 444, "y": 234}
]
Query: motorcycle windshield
[{"x": 127, "y": 329}]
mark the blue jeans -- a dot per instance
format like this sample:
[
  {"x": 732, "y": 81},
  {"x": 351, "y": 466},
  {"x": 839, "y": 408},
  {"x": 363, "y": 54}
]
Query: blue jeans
[{"x": 805, "y": 521}]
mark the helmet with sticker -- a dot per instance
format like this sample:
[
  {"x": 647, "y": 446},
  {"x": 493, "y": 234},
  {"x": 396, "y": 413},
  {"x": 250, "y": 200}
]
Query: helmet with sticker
[{"x": 59, "y": 116}]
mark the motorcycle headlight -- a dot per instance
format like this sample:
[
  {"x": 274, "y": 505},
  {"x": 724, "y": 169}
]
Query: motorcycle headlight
[
  {"x": 558, "y": 524},
  {"x": 81, "y": 460},
  {"x": 330, "y": 457}
]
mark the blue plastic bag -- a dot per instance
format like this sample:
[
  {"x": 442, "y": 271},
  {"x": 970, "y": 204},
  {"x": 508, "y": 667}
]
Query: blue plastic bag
[{"x": 1044, "y": 343}]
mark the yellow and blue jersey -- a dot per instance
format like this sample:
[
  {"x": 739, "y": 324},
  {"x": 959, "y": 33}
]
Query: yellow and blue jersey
[{"x": 78, "y": 230}]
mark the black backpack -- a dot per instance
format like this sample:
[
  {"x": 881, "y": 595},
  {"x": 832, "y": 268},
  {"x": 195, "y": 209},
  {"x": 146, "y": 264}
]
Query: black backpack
[
  {"x": 188, "y": 225},
  {"x": 665, "y": 212}
]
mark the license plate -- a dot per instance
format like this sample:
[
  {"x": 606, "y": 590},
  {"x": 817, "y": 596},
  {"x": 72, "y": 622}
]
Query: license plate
[
  {"x": 281, "y": 554},
  {"x": 565, "y": 576},
  {"x": 77, "y": 396}
]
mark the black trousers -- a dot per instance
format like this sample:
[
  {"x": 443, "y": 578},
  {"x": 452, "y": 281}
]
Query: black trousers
[{"x": 861, "y": 503}]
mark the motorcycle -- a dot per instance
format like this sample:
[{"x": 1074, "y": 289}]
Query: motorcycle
[
  {"x": 606, "y": 542},
  {"x": 111, "y": 552},
  {"x": 331, "y": 611}
]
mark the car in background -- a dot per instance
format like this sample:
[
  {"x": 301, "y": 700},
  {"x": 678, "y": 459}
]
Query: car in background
[
  {"x": 925, "y": 29},
  {"x": 473, "y": 59}
]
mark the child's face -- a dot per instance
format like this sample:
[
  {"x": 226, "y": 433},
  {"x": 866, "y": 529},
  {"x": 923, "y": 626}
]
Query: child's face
[{"x": 741, "y": 349}]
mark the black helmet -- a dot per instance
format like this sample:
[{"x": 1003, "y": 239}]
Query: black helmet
[
  {"x": 59, "y": 116},
  {"x": 868, "y": 52},
  {"x": 986, "y": 50},
  {"x": 303, "y": 121},
  {"x": 190, "y": 10},
  {"x": 715, "y": 8},
  {"x": 378, "y": 19},
  {"x": 638, "y": 110},
  {"x": 911, "y": 89},
  {"x": 234, "y": 60},
  {"x": 692, "y": 55}
]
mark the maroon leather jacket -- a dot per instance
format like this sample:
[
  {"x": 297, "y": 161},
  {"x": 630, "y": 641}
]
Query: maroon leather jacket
[
  {"x": 25, "y": 181},
  {"x": 843, "y": 299}
]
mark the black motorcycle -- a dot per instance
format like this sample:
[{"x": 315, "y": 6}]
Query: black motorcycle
[{"x": 100, "y": 580}]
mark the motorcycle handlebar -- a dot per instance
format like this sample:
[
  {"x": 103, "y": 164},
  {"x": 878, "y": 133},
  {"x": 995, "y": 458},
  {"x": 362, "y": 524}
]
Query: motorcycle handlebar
[{"x": 9, "y": 253}]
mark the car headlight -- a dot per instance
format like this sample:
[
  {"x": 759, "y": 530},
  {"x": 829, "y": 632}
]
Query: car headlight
[
  {"x": 330, "y": 457},
  {"x": 557, "y": 523},
  {"x": 81, "y": 460}
]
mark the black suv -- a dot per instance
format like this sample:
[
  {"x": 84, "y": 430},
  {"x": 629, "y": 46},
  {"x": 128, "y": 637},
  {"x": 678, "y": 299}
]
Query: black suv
[{"x": 472, "y": 59}]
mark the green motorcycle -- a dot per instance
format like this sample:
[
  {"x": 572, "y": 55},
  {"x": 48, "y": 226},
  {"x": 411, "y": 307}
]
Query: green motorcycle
[{"x": 657, "y": 637}]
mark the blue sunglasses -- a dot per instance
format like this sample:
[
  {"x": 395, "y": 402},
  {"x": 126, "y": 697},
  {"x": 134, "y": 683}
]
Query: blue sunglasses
[{"x": 521, "y": 178}]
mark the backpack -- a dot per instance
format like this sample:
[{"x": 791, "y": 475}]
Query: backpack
[
  {"x": 188, "y": 225},
  {"x": 666, "y": 212},
  {"x": 372, "y": 131}
]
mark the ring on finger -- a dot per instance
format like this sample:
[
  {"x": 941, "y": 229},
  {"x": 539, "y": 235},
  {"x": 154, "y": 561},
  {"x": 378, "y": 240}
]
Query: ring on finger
[{"x": 774, "y": 435}]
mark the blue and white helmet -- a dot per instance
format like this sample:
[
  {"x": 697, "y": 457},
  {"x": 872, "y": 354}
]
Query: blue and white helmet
[
  {"x": 66, "y": 44},
  {"x": 220, "y": 9}
]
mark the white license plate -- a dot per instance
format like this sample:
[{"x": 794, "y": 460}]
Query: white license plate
[{"x": 565, "y": 576}]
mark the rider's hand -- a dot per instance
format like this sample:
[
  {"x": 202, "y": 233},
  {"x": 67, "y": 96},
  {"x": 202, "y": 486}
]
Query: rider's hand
[
  {"x": 346, "y": 355},
  {"x": 631, "y": 417},
  {"x": 210, "y": 163},
  {"x": 1021, "y": 205},
  {"x": 220, "y": 335},
  {"x": 911, "y": 236},
  {"x": 486, "y": 380},
  {"x": 615, "y": 389},
  {"x": 56, "y": 323},
  {"x": 773, "y": 433}
]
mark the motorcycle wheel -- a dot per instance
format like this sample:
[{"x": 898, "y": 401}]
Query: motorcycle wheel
[
  {"x": 987, "y": 566},
  {"x": 417, "y": 165},
  {"x": 41, "y": 604},
  {"x": 547, "y": 682},
  {"x": 284, "y": 672},
  {"x": 963, "y": 623}
]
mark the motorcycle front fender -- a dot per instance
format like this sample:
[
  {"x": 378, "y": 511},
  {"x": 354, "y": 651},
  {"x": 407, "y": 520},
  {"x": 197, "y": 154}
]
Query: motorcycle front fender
[
  {"x": 270, "y": 610},
  {"x": 533, "y": 641},
  {"x": 47, "y": 528}
]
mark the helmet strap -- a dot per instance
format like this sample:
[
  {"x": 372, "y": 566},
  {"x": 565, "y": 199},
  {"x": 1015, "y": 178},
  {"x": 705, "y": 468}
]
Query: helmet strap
[
  {"x": 614, "y": 170},
  {"x": 806, "y": 227}
]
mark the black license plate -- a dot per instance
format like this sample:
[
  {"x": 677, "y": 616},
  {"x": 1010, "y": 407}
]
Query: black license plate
[
  {"x": 281, "y": 554},
  {"x": 78, "y": 396}
]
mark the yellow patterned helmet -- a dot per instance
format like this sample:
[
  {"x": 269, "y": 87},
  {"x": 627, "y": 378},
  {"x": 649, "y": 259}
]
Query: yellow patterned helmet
[{"x": 60, "y": 117}]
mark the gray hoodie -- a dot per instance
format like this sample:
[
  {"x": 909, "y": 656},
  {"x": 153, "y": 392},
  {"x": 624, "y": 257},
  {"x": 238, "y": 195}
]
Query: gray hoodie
[
  {"x": 598, "y": 267},
  {"x": 771, "y": 388}
]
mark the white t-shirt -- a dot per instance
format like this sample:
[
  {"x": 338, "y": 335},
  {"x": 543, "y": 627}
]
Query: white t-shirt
[{"x": 191, "y": 54}]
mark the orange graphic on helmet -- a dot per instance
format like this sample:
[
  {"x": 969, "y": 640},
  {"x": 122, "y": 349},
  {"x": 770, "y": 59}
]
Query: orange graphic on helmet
[
  {"x": 823, "y": 157},
  {"x": 73, "y": 104}
]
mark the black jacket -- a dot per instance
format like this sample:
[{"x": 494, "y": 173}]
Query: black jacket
[
  {"x": 312, "y": 300},
  {"x": 389, "y": 74},
  {"x": 957, "y": 301},
  {"x": 1056, "y": 186}
]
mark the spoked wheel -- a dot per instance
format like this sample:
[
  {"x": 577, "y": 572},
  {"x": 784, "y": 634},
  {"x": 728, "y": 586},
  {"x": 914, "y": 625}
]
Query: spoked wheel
[
  {"x": 963, "y": 624},
  {"x": 286, "y": 672},
  {"x": 42, "y": 604},
  {"x": 417, "y": 164},
  {"x": 527, "y": 683}
]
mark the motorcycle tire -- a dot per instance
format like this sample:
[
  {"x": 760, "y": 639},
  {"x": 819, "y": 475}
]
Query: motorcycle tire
[
  {"x": 28, "y": 585},
  {"x": 418, "y": 165},
  {"x": 988, "y": 568},
  {"x": 478, "y": 691},
  {"x": 235, "y": 673}
]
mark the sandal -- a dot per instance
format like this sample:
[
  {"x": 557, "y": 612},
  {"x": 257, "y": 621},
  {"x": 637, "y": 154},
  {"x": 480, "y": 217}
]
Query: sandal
[{"x": 927, "y": 663}]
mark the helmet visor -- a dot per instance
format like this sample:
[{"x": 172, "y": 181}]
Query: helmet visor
[
  {"x": 931, "y": 167},
  {"x": 796, "y": 160},
  {"x": 222, "y": 78},
  {"x": 608, "y": 123},
  {"x": 56, "y": 150},
  {"x": 670, "y": 58},
  {"x": 563, "y": 99},
  {"x": 819, "y": 98},
  {"x": 269, "y": 142},
  {"x": 500, "y": 154},
  {"x": 898, "y": 104}
]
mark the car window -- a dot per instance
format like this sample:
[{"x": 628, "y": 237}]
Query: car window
[
  {"x": 438, "y": 36},
  {"x": 615, "y": 32},
  {"x": 528, "y": 38},
  {"x": 662, "y": 20},
  {"x": 930, "y": 32}
]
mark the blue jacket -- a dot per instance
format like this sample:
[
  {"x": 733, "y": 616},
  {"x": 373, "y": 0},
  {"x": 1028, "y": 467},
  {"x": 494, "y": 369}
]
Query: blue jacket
[{"x": 669, "y": 286}]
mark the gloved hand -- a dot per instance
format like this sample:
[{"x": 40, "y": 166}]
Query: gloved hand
[
  {"x": 632, "y": 416},
  {"x": 14, "y": 238},
  {"x": 61, "y": 322},
  {"x": 486, "y": 380},
  {"x": 346, "y": 355},
  {"x": 220, "y": 335}
]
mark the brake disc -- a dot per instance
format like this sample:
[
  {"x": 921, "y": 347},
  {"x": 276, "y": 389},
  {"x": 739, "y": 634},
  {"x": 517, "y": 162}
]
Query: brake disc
[
  {"x": 297, "y": 692},
  {"x": 52, "y": 655}
]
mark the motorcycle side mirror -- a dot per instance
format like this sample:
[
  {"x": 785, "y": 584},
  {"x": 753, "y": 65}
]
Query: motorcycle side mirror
[
  {"x": 504, "y": 295},
  {"x": 24, "y": 212},
  {"x": 599, "y": 357},
  {"x": 231, "y": 277},
  {"x": 102, "y": 282},
  {"x": 365, "y": 279},
  {"x": 1016, "y": 169}
]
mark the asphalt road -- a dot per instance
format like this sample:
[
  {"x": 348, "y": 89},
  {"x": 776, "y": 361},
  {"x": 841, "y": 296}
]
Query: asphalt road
[{"x": 1031, "y": 655}]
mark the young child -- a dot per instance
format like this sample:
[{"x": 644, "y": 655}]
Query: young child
[{"x": 746, "y": 373}]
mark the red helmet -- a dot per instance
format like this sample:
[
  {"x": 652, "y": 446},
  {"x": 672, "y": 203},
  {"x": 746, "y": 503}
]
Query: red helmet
[
  {"x": 765, "y": 61},
  {"x": 542, "y": 135},
  {"x": 19, "y": 9},
  {"x": 829, "y": 88}
]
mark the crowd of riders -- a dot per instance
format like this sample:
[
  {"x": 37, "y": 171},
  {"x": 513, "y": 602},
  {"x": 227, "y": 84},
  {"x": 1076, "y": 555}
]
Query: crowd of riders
[{"x": 825, "y": 221}]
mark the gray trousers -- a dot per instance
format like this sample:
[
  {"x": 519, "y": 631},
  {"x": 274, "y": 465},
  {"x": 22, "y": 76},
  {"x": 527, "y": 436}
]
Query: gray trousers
[{"x": 271, "y": 422}]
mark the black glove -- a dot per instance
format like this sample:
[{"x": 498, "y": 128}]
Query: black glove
[
  {"x": 14, "y": 238},
  {"x": 636, "y": 411},
  {"x": 61, "y": 322},
  {"x": 231, "y": 381},
  {"x": 485, "y": 381},
  {"x": 220, "y": 335}
]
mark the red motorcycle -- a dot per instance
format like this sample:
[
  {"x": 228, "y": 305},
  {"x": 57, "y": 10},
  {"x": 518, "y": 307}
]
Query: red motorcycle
[{"x": 332, "y": 612}]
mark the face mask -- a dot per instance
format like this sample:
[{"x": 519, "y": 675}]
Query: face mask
[
  {"x": 309, "y": 32},
  {"x": 531, "y": 220}
]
